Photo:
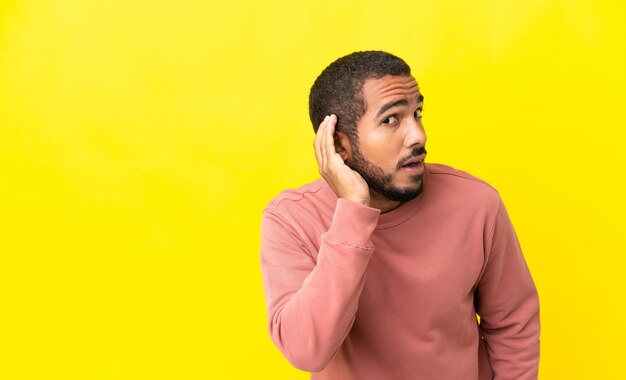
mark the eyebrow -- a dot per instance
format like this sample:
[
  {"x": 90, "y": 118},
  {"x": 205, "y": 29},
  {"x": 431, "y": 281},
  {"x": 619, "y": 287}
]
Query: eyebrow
[{"x": 397, "y": 103}]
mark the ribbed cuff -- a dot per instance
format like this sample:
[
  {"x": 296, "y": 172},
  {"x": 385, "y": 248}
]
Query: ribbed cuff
[{"x": 353, "y": 224}]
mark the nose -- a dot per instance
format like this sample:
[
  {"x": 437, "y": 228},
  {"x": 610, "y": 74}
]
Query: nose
[{"x": 415, "y": 134}]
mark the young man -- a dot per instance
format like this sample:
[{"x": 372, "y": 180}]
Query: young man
[{"x": 377, "y": 270}]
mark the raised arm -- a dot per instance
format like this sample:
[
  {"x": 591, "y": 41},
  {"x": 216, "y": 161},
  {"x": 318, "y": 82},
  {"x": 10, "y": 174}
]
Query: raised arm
[{"x": 312, "y": 297}]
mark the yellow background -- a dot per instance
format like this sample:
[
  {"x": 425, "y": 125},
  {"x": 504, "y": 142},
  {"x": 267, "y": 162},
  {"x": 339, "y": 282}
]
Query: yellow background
[{"x": 140, "y": 141}]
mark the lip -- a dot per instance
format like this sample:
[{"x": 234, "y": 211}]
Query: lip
[
  {"x": 417, "y": 169},
  {"x": 413, "y": 160}
]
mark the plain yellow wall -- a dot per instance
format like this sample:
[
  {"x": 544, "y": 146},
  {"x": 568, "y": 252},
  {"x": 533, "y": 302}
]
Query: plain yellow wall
[{"x": 140, "y": 141}]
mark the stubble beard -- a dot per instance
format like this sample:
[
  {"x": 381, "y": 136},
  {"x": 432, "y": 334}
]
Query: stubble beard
[{"x": 382, "y": 182}]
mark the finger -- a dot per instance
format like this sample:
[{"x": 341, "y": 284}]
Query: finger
[
  {"x": 318, "y": 134},
  {"x": 329, "y": 140},
  {"x": 318, "y": 140},
  {"x": 323, "y": 148}
]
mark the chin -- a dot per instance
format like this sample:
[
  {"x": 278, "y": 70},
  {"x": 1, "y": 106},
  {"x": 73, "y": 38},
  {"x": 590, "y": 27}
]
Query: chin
[
  {"x": 414, "y": 182},
  {"x": 403, "y": 193}
]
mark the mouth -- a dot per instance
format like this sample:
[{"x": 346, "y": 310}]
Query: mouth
[
  {"x": 414, "y": 162},
  {"x": 414, "y": 166}
]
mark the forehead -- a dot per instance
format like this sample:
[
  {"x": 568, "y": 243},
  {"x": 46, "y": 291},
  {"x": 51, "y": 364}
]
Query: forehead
[{"x": 389, "y": 88}]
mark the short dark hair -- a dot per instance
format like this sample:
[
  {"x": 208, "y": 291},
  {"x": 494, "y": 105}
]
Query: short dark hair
[{"x": 339, "y": 88}]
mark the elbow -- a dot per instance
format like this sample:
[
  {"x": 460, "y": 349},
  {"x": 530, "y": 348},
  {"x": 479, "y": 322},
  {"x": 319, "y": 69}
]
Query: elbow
[
  {"x": 304, "y": 353},
  {"x": 309, "y": 362}
]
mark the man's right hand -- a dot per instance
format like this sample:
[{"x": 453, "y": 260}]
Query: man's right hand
[{"x": 344, "y": 181}]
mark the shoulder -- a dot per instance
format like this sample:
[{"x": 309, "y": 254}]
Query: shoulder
[
  {"x": 450, "y": 174},
  {"x": 459, "y": 185},
  {"x": 304, "y": 214},
  {"x": 313, "y": 201},
  {"x": 307, "y": 195}
]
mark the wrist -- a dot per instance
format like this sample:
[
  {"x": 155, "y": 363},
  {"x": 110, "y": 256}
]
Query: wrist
[
  {"x": 353, "y": 223},
  {"x": 365, "y": 201}
]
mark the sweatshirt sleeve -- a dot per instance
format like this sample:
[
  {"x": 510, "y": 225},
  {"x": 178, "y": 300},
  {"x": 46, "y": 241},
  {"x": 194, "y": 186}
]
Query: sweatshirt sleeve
[
  {"x": 312, "y": 303},
  {"x": 508, "y": 306}
]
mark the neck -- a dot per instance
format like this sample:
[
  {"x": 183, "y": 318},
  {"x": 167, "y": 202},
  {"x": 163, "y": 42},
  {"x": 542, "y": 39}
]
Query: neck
[{"x": 382, "y": 203}]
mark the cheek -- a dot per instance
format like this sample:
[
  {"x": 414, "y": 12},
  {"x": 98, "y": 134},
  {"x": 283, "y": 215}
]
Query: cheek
[{"x": 380, "y": 148}]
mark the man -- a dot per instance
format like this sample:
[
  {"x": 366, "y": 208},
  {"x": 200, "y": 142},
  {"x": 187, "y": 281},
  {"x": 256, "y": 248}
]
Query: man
[{"x": 377, "y": 271}]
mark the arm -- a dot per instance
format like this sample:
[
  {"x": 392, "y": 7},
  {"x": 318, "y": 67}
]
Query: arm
[
  {"x": 508, "y": 305},
  {"x": 311, "y": 305}
]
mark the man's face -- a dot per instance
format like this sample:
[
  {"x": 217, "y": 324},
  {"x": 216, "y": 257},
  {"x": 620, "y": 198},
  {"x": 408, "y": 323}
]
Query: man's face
[{"x": 390, "y": 152}]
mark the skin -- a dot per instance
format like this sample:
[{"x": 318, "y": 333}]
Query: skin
[{"x": 389, "y": 132}]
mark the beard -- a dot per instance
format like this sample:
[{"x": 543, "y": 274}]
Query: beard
[{"x": 382, "y": 182}]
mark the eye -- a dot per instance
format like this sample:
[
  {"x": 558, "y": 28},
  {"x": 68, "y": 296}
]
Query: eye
[
  {"x": 389, "y": 120},
  {"x": 417, "y": 114}
]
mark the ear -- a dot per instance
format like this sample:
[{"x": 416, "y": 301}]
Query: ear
[{"x": 343, "y": 146}]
